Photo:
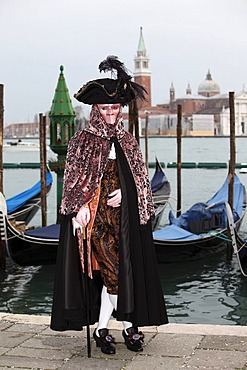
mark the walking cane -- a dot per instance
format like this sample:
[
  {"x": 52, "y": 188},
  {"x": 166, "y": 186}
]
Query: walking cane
[
  {"x": 84, "y": 237},
  {"x": 76, "y": 225}
]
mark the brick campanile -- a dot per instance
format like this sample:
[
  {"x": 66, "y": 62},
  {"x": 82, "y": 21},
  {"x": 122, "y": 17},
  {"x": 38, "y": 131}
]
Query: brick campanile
[{"x": 142, "y": 73}]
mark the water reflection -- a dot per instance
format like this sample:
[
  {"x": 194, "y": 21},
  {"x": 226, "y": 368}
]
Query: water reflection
[
  {"x": 210, "y": 291},
  {"x": 26, "y": 289}
]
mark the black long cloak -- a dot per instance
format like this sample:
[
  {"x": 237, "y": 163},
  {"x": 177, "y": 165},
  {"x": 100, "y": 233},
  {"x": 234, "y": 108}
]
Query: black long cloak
[{"x": 140, "y": 298}]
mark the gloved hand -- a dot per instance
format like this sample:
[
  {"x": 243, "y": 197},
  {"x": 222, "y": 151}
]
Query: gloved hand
[
  {"x": 76, "y": 226},
  {"x": 83, "y": 216},
  {"x": 115, "y": 198}
]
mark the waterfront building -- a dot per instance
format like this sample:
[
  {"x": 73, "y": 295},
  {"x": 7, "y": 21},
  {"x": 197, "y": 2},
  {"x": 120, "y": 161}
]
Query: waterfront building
[
  {"x": 24, "y": 130},
  {"x": 204, "y": 113},
  {"x": 240, "y": 115}
]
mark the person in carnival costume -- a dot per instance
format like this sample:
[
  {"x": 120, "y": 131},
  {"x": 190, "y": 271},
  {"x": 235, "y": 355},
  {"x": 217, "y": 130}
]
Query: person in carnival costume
[{"x": 106, "y": 189}]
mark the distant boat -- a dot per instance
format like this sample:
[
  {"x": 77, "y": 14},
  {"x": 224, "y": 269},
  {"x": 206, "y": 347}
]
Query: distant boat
[
  {"x": 14, "y": 143},
  {"x": 202, "y": 229},
  {"x": 21, "y": 145}
]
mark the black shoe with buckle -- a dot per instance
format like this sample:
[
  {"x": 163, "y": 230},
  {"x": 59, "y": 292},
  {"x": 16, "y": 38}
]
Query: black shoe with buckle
[
  {"x": 133, "y": 339},
  {"x": 104, "y": 341}
]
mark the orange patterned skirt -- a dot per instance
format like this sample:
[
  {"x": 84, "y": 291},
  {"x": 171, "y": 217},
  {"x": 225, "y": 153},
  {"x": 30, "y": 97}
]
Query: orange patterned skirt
[{"x": 105, "y": 232}]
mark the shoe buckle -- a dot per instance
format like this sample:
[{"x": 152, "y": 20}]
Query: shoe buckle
[
  {"x": 136, "y": 336},
  {"x": 108, "y": 338}
]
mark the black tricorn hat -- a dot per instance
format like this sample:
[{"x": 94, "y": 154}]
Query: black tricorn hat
[{"x": 108, "y": 90}]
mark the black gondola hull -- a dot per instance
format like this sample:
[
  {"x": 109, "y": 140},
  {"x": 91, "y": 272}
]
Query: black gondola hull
[
  {"x": 43, "y": 253},
  {"x": 27, "y": 250},
  {"x": 170, "y": 252}
]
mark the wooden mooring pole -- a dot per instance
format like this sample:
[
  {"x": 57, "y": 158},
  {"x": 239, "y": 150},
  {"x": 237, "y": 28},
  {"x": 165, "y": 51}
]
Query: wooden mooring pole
[
  {"x": 146, "y": 138},
  {"x": 131, "y": 118},
  {"x": 232, "y": 163},
  {"x": 2, "y": 242},
  {"x": 134, "y": 120},
  {"x": 179, "y": 161},
  {"x": 43, "y": 168},
  {"x": 1, "y": 137}
]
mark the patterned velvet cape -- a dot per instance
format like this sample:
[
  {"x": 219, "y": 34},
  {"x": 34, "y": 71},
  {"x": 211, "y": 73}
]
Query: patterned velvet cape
[
  {"x": 86, "y": 160},
  {"x": 140, "y": 296}
]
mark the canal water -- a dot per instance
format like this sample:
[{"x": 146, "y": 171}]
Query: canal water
[{"x": 210, "y": 291}]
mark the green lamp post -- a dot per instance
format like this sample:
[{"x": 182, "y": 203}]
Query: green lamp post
[{"x": 62, "y": 128}]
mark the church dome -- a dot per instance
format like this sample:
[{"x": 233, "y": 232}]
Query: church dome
[{"x": 208, "y": 87}]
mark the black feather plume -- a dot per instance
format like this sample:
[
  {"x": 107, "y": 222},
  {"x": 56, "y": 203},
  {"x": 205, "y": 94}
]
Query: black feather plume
[
  {"x": 111, "y": 63},
  {"x": 139, "y": 90}
]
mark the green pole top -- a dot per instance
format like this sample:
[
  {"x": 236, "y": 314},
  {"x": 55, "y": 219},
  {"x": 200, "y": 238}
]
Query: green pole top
[{"x": 61, "y": 104}]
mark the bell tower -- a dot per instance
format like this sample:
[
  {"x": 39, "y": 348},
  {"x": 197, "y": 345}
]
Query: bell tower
[
  {"x": 142, "y": 73},
  {"x": 172, "y": 93}
]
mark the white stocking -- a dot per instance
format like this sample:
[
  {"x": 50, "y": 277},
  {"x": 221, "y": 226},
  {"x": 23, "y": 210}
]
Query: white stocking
[
  {"x": 127, "y": 325},
  {"x": 113, "y": 299},
  {"x": 106, "y": 309}
]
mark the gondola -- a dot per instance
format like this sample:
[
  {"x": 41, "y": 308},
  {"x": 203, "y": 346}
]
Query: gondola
[
  {"x": 24, "y": 206},
  {"x": 161, "y": 190},
  {"x": 202, "y": 229},
  {"x": 38, "y": 246},
  {"x": 242, "y": 251},
  {"x": 239, "y": 244},
  {"x": 28, "y": 247}
]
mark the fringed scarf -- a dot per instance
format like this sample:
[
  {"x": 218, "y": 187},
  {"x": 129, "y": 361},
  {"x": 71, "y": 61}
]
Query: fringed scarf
[{"x": 86, "y": 160}]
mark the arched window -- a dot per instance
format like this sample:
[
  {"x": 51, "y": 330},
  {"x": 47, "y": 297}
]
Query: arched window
[
  {"x": 66, "y": 133},
  {"x": 242, "y": 126},
  {"x": 58, "y": 136}
]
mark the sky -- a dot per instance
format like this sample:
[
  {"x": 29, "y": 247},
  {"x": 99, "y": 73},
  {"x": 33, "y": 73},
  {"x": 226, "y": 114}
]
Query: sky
[{"x": 183, "y": 38}]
